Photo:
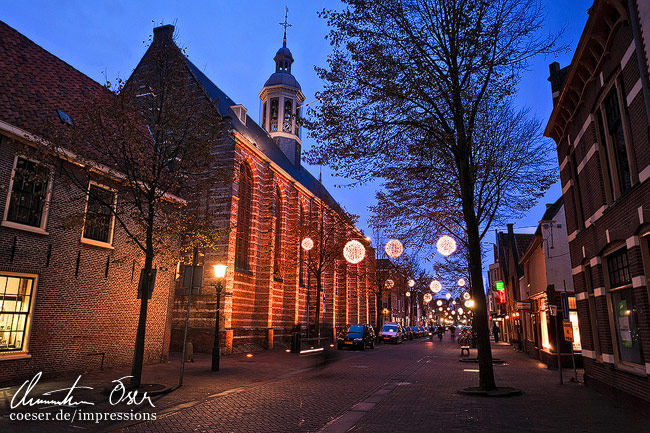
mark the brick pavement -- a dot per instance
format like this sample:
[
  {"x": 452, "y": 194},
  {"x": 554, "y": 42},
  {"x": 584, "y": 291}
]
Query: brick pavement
[{"x": 409, "y": 387}]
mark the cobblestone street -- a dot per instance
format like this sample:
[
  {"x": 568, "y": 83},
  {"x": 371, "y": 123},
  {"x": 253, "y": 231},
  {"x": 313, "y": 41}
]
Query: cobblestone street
[{"x": 407, "y": 387}]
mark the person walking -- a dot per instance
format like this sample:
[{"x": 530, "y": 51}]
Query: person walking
[{"x": 495, "y": 332}]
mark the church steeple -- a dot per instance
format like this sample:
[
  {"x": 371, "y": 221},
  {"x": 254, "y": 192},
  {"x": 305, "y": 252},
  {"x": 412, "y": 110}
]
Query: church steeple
[{"x": 281, "y": 98}]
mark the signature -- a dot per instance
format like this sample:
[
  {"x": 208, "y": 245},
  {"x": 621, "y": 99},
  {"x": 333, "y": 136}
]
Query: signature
[
  {"x": 119, "y": 394},
  {"x": 22, "y": 397}
]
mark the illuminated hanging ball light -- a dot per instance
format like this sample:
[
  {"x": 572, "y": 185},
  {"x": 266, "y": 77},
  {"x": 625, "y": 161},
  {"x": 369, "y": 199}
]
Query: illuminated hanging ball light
[
  {"x": 446, "y": 245},
  {"x": 448, "y": 295},
  {"x": 439, "y": 302},
  {"x": 435, "y": 286},
  {"x": 461, "y": 282},
  {"x": 427, "y": 298},
  {"x": 469, "y": 303},
  {"x": 453, "y": 312},
  {"x": 440, "y": 308},
  {"x": 307, "y": 244},
  {"x": 466, "y": 295},
  {"x": 453, "y": 302},
  {"x": 460, "y": 310},
  {"x": 389, "y": 284},
  {"x": 411, "y": 283},
  {"x": 408, "y": 294},
  {"x": 354, "y": 252},
  {"x": 394, "y": 248}
]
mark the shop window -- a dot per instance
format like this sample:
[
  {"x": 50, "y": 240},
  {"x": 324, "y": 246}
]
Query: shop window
[
  {"x": 15, "y": 308},
  {"x": 626, "y": 319},
  {"x": 28, "y": 196},
  {"x": 573, "y": 317},
  {"x": 98, "y": 224},
  {"x": 543, "y": 325}
]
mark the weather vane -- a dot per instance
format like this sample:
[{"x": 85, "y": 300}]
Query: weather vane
[{"x": 285, "y": 24}]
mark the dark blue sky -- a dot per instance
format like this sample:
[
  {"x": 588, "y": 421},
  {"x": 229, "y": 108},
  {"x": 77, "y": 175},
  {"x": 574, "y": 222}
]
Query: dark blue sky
[{"x": 234, "y": 43}]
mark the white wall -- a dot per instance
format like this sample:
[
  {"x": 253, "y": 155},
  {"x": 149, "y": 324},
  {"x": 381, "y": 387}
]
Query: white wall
[{"x": 558, "y": 262}]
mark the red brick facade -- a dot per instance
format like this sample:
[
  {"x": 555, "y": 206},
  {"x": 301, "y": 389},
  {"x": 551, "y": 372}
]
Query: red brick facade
[
  {"x": 606, "y": 199},
  {"x": 264, "y": 304},
  {"x": 84, "y": 308}
]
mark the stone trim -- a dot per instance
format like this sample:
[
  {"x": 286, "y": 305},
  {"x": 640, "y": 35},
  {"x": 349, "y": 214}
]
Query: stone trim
[
  {"x": 608, "y": 358},
  {"x": 566, "y": 187},
  {"x": 628, "y": 54},
  {"x": 588, "y": 354},
  {"x": 577, "y": 270},
  {"x": 592, "y": 219},
  {"x": 565, "y": 161},
  {"x": 581, "y": 296},
  {"x": 647, "y": 368},
  {"x": 632, "y": 241},
  {"x": 590, "y": 153},
  {"x": 644, "y": 174},
  {"x": 633, "y": 93},
  {"x": 572, "y": 236},
  {"x": 588, "y": 121},
  {"x": 599, "y": 291},
  {"x": 595, "y": 261},
  {"x": 638, "y": 281},
  {"x": 640, "y": 210}
]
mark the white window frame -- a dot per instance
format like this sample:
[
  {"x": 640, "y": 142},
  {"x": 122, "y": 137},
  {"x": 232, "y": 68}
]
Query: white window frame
[
  {"x": 24, "y": 353},
  {"x": 46, "y": 206},
  {"x": 111, "y": 232}
]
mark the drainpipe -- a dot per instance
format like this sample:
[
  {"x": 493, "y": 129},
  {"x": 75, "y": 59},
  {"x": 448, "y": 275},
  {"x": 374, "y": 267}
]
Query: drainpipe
[{"x": 643, "y": 70}]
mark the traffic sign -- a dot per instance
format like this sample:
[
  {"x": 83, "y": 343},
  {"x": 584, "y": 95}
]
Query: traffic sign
[{"x": 568, "y": 331}]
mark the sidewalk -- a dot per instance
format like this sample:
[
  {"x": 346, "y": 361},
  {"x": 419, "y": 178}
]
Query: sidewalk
[{"x": 237, "y": 372}]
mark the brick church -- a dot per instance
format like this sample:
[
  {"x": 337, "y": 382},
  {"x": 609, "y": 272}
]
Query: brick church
[{"x": 268, "y": 205}]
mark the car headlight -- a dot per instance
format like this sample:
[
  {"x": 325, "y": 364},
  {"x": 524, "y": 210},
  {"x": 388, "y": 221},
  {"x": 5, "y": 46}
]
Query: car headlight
[{"x": 358, "y": 339}]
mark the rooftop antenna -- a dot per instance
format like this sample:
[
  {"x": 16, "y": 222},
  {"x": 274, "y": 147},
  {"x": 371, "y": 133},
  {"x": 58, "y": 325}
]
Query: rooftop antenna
[{"x": 285, "y": 24}]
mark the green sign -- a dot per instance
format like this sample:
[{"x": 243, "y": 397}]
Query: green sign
[{"x": 500, "y": 285}]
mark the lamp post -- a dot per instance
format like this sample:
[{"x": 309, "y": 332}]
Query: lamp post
[{"x": 219, "y": 273}]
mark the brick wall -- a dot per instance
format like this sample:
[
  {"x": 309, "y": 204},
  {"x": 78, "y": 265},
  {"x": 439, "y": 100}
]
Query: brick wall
[{"x": 78, "y": 312}]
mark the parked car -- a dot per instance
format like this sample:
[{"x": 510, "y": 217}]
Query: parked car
[
  {"x": 422, "y": 332},
  {"x": 357, "y": 336},
  {"x": 408, "y": 333},
  {"x": 391, "y": 332},
  {"x": 415, "y": 331}
]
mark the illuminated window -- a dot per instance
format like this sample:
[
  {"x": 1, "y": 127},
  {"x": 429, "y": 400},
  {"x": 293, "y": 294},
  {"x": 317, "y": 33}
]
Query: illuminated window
[
  {"x": 626, "y": 317},
  {"x": 543, "y": 325},
  {"x": 15, "y": 308},
  {"x": 619, "y": 269}
]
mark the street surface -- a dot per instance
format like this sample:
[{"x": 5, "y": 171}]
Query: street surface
[{"x": 394, "y": 388}]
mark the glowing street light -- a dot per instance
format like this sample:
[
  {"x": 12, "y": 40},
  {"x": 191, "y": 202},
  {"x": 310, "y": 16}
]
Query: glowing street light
[
  {"x": 469, "y": 303},
  {"x": 354, "y": 252},
  {"x": 411, "y": 283},
  {"x": 389, "y": 284},
  {"x": 461, "y": 282},
  {"x": 448, "y": 296},
  {"x": 307, "y": 244},
  {"x": 446, "y": 245},
  {"x": 439, "y": 302},
  {"x": 435, "y": 286},
  {"x": 466, "y": 295},
  {"x": 394, "y": 248}
]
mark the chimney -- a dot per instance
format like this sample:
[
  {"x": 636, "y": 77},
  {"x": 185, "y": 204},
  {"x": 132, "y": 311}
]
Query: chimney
[
  {"x": 163, "y": 33},
  {"x": 556, "y": 78}
]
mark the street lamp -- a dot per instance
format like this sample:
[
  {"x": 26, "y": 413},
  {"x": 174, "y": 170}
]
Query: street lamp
[
  {"x": 219, "y": 273},
  {"x": 448, "y": 296}
]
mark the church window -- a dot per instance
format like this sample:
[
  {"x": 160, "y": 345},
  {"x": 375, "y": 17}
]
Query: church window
[
  {"x": 274, "y": 114},
  {"x": 244, "y": 218},
  {"x": 277, "y": 251},
  {"x": 286, "y": 125},
  {"x": 264, "y": 116}
]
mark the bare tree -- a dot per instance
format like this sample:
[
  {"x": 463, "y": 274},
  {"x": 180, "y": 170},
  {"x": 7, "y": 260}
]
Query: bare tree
[
  {"x": 152, "y": 142},
  {"x": 419, "y": 92}
]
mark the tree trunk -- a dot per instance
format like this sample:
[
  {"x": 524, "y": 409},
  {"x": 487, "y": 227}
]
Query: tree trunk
[
  {"x": 378, "y": 301},
  {"x": 138, "y": 351},
  {"x": 480, "y": 323}
]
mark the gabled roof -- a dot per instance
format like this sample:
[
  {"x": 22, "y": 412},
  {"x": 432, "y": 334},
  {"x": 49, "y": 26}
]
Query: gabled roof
[
  {"x": 34, "y": 84},
  {"x": 550, "y": 213}
]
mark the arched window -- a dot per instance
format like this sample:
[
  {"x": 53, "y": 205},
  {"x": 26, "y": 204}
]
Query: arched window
[
  {"x": 301, "y": 251},
  {"x": 244, "y": 217},
  {"x": 277, "y": 250}
]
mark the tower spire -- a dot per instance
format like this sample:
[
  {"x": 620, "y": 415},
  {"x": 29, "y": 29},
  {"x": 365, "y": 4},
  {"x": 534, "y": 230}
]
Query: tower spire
[{"x": 285, "y": 24}]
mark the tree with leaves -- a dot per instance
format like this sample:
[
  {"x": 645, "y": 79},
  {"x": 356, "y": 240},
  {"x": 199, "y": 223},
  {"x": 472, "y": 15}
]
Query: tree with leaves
[
  {"x": 151, "y": 140},
  {"x": 419, "y": 93}
]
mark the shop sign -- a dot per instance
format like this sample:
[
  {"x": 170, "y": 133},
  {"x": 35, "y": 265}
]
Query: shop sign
[
  {"x": 500, "y": 293},
  {"x": 568, "y": 331},
  {"x": 524, "y": 306}
]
